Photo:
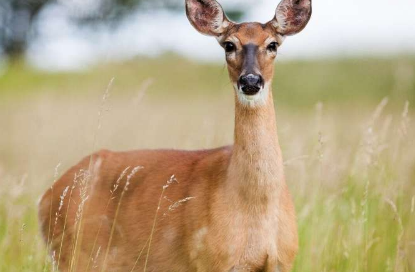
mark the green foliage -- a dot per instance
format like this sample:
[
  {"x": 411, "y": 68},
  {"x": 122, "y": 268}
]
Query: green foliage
[
  {"x": 346, "y": 81},
  {"x": 301, "y": 83}
]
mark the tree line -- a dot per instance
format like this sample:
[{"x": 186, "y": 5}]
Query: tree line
[{"x": 17, "y": 17}]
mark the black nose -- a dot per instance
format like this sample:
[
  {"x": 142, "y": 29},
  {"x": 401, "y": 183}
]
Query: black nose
[{"x": 251, "y": 84}]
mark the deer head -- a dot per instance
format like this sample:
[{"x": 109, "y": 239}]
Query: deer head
[{"x": 250, "y": 48}]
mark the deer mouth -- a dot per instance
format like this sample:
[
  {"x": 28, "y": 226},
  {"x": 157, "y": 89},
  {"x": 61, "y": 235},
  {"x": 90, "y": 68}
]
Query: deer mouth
[{"x": 250, "y": 90}]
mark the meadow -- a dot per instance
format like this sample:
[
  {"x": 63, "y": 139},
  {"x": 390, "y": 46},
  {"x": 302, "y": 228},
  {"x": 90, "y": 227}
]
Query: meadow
[{"x": 346, "y": 127}]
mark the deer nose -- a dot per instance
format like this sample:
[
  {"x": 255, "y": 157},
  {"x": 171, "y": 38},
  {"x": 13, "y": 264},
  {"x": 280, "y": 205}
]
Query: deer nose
[{"x": 251, "y": 84}]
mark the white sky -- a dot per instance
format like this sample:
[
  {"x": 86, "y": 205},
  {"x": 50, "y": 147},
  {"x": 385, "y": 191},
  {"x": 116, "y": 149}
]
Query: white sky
[{"x": 337, "y": 28}]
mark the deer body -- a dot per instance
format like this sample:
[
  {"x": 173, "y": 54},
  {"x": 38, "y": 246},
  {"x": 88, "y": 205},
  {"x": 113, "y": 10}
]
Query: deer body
[{"x": 227, "y": 209}]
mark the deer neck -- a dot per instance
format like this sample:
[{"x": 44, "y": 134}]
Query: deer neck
[{"x": 256, "y": 169}]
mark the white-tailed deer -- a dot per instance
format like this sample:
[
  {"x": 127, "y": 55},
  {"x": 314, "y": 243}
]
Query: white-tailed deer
[{"x": 230, "y": 209}]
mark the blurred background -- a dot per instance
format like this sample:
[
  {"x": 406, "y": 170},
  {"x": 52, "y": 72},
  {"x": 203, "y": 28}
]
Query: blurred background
[
  {"x": 77, "y": 76},
  {"x": 75, "y": 34}
]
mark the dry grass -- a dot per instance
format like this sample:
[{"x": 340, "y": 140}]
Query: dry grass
[{"x": 351, "y": 170}]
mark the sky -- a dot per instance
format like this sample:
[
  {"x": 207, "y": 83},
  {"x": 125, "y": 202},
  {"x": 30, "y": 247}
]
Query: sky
[{"x": 337, "y": 29}]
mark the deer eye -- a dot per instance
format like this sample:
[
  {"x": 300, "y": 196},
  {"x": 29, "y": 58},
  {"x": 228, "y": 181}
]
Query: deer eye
[
  {"x": 272, "y": 47},
  {"x": 229, "y": 47}
]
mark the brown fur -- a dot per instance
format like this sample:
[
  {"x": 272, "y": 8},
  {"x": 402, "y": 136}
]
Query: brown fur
[{"x": 236, "y": 213}]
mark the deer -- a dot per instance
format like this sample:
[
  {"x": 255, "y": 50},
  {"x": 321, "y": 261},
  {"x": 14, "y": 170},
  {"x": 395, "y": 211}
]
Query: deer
[{"x": 222, "y": 210}]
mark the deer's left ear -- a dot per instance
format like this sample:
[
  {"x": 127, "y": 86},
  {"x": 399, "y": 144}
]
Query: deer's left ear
[
  {"x": 292, "y": 16},
  {"x": 207, "y": 16}
]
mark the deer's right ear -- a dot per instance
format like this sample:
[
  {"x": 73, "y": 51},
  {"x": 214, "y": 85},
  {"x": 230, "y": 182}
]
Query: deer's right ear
[{"x": 207, "y": 16}]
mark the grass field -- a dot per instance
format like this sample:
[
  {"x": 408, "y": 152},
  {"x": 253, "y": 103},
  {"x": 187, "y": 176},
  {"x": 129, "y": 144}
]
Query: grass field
[{"x": 346, "y": 128}]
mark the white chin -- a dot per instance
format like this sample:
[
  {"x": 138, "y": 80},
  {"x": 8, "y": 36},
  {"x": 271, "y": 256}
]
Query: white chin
[
  {"x": 252, "y": 97},
  {"x": 253, "y": 101}
]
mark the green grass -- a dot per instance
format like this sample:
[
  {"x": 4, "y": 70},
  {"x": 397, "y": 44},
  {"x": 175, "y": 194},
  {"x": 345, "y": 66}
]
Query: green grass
[
  {"x": 299, "y": 83},
  {"x": 351, "y": 169}
]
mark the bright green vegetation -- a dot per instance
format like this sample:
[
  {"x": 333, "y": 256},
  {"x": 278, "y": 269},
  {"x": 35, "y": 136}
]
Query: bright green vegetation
[{"x": 350, "y": 160}]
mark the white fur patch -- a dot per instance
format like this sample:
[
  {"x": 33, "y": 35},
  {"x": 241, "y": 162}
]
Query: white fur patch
[
  {"x": 170, "y": 235},
  {"x": 280, "y": 22},
  {"x": 253, "y": 101},
  {"x": 198, "y": 242}
]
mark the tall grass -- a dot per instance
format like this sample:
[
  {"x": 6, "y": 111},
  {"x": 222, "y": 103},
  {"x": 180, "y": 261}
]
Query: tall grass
[{"x": 350, "y": 168}]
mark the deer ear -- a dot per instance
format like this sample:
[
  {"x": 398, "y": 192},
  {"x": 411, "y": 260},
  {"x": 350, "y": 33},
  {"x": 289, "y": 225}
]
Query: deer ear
[
  {"x": 207, "y": 16},
  {"x": 292, "y": 16}
]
